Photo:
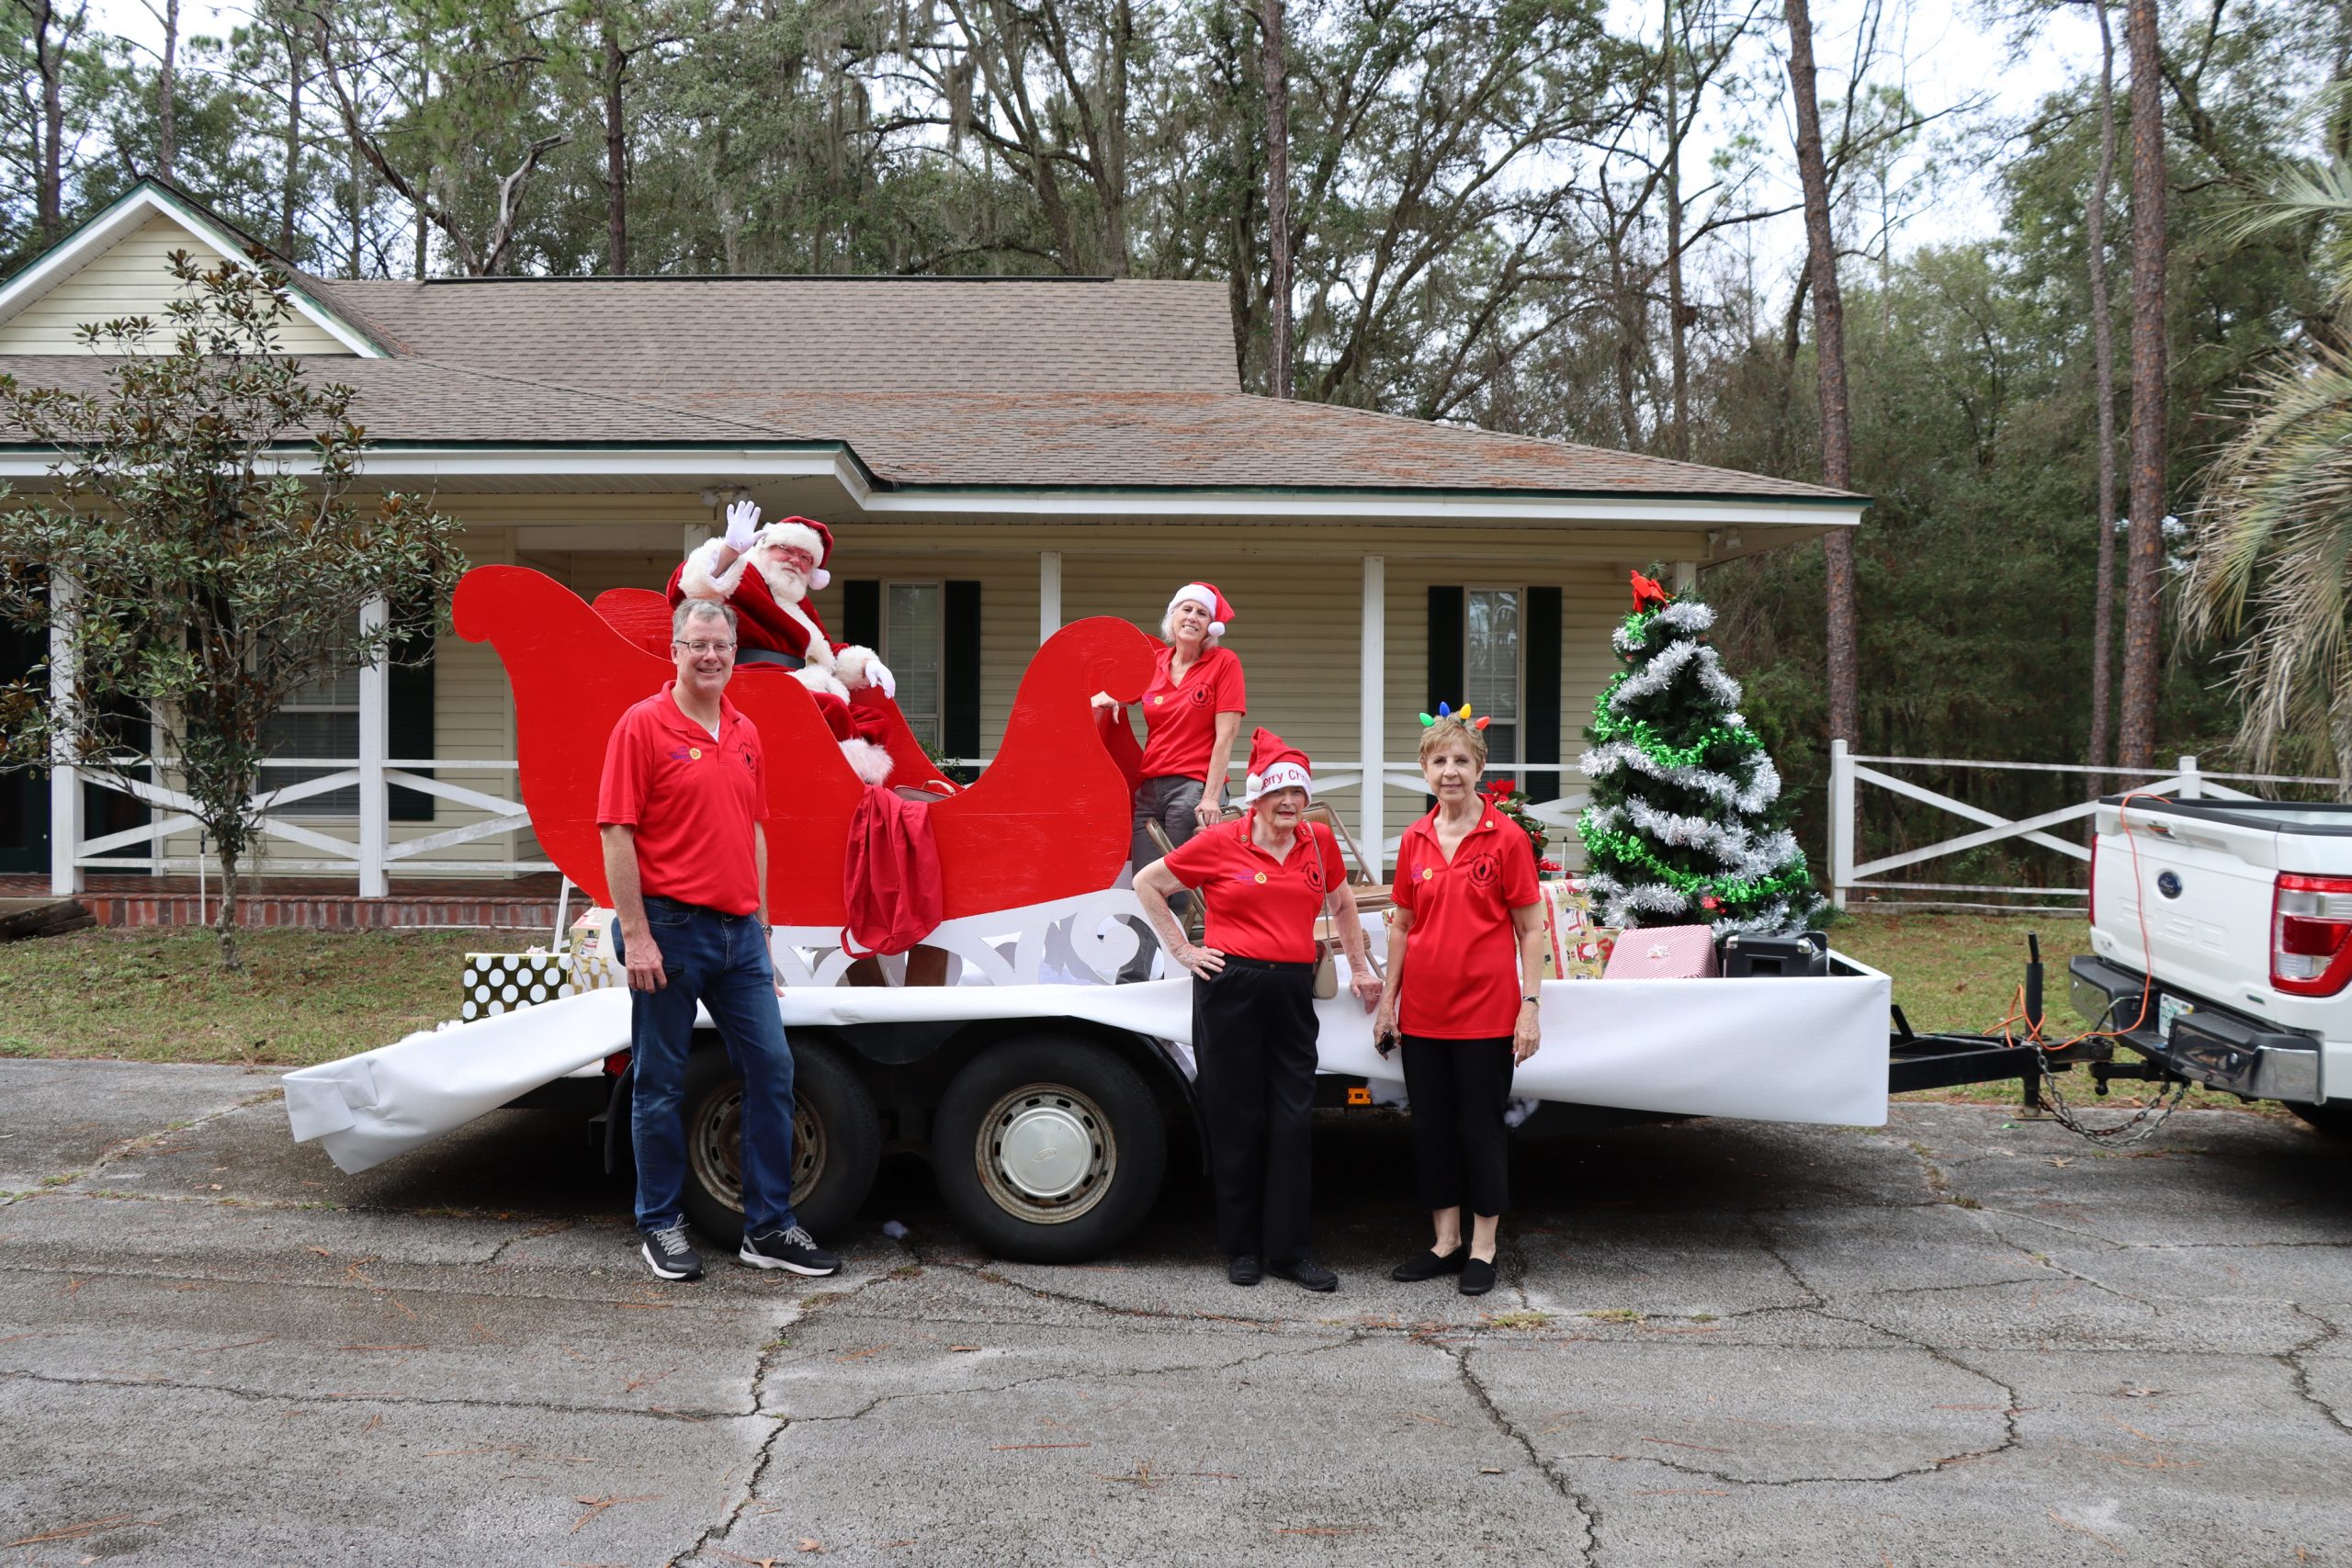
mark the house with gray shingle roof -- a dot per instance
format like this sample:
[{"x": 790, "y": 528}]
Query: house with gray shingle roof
[{"x": 994, "y": 455}]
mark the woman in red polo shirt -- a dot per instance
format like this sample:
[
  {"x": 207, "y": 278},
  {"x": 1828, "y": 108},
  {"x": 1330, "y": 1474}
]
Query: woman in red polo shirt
[
  {"x": 1264, "y": 879},
  {"x": 1468, "y": 911},
  {"x": 1191, "y": 712}
]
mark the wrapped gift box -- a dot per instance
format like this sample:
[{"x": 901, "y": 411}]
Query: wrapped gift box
[
  {"x": 1663, "y": 952},
  {"x": 497, "y": 983}
]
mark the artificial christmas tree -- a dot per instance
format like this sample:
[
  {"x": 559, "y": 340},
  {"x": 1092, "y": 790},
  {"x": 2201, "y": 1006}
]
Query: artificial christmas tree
[{"x": 1684, "y": 825}]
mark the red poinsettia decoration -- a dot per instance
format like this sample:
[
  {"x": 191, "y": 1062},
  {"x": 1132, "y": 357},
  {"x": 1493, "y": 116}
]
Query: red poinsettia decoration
[
  {"x": 1647, "y": 593},
  {"x": 1548, "y": 866}
]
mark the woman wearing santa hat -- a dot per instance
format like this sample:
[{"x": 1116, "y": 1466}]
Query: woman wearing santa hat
[
  {"x": 1191, "y": 712},
  {"x": 1470, "y": 916},
  {"x": 1264, "y": 880}
]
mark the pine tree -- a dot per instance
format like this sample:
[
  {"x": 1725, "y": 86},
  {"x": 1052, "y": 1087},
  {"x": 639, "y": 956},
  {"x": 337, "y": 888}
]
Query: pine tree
[{"x": 1684, "y": 824}]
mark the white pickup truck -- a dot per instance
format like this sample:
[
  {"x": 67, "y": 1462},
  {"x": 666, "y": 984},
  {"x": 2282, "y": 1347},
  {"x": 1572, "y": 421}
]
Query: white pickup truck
[{"x": 2221, "y": 938}]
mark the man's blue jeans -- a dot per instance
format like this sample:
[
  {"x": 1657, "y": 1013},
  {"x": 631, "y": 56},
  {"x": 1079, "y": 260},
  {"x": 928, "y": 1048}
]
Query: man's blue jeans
[{"x": 722, "y": 962}]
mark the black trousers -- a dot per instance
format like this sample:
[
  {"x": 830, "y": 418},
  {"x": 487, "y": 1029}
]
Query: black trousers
[
  {"x": 1460, "y": 1149},
  {"x": 1253, "y": 1040}
]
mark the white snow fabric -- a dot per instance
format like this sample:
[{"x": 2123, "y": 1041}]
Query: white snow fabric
[{"x": 1781, "y": 1049}]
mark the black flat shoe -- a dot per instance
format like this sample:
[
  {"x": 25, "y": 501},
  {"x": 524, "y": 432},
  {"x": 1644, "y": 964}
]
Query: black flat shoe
[
  {"x": 1429, "y": 1266},
  {"x": 1307, "y": 1274},
  {"x": 1477, "y": 1276},
  {"x": 1243, "y": 1269}
]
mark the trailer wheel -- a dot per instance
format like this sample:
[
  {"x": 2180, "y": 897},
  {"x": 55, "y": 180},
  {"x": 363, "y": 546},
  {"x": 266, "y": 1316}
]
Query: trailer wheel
[
  {"x": 2333, "y": 1117},
  {"x": 836, "y": 1140},
  {"x": 1049, "y": 1149}
]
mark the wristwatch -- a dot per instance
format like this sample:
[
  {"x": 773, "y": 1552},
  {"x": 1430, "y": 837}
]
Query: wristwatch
[{"x": 1537, "y": 1000}]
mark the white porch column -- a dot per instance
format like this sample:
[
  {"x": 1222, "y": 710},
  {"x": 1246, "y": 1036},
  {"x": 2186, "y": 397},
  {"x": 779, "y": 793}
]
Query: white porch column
[
  {"x": 1686, "y": 576},
  {"x": 1049, "y": 594},
  {"x": 375, "y": 736},
  {"x": 65, "y": 779},
  {"x": 1841, "y": 822},
  {"x": 1373, "y": 700}
]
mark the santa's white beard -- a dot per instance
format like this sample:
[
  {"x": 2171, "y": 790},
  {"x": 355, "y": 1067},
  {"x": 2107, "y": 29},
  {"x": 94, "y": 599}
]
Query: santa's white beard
[{"x": 786, "y": 586}]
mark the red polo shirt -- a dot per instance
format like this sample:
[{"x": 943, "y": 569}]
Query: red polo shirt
[
  {"x": 1260, "y": 906},
  {"x": 692, "y": 799},
  {"x": 1462, "y": 978},
  {"x": 1180, "y": 718}
]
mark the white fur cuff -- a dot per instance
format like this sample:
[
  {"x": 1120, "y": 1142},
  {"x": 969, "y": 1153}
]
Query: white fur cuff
[
  {"x": 868, "y": 760},
  {"x": 702, "y": 579}
]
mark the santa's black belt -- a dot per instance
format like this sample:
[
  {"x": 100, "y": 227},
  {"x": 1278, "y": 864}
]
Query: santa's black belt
[{"x": 768, "y": 656}]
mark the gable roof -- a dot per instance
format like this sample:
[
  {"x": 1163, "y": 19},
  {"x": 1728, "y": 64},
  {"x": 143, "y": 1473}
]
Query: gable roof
[
  {"x": 140, "y": 204},
  {"x": 944, "y": 385}
]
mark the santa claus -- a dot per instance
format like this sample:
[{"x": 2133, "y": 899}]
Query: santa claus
[{"x": 766, "y": 574}]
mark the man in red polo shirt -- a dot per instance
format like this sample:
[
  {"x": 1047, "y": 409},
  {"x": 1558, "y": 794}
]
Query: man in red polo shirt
[{"x": 686, "y": 860}]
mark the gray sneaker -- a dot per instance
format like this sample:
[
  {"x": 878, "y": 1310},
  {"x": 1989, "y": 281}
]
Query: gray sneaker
[
  {"x": 794, "y": 1250},
  {"x": 667, "y": 1254}
]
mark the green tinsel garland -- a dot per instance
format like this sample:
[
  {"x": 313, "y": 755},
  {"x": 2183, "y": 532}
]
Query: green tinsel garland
[
  {"x": 1628, "y": 847},
  {"x": 1608, "y": 727}
]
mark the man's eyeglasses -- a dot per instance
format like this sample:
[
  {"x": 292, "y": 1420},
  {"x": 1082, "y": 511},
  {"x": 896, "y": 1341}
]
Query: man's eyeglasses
[{"x": 704, "y": 649}]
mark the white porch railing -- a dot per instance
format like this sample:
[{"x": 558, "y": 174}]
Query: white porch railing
[
  {"x": 368, "y": 853},
  {"x": 1848, "y": 772},
  {"x": 361, "y": 845}
]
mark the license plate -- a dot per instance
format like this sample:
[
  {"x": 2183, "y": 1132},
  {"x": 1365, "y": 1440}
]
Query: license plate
[{"x": 2168, "y": 1011}]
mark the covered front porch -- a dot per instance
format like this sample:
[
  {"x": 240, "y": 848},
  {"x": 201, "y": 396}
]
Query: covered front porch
[{"x": 1354, "y": 612}]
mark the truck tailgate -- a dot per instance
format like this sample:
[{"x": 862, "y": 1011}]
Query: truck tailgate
[{"x": 2202, "y": 888}]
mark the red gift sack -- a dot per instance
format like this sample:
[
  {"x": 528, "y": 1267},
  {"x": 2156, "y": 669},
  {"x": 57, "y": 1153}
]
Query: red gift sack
[
  {"x": 1663, "y": 952},
  {"x": 891, "y": 875}
]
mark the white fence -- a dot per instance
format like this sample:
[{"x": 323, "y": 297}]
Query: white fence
[
  {"x": 368, "y": 853},
  {"x": 1848, "y": 772}
]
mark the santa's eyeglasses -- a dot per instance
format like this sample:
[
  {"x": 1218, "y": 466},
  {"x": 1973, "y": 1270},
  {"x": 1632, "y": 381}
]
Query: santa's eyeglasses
[{"x": 704, "y": 649}]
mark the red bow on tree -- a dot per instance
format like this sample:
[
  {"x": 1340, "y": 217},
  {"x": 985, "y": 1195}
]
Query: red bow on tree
[{"x": 1647, "y": 592}]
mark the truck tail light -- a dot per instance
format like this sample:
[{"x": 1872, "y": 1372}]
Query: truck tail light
[{"x": 2310, "y": 934}]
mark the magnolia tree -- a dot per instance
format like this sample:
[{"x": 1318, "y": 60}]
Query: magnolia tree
[
  {"x": 1684, "y": 825},
  {"x": 205, "y": 555}
]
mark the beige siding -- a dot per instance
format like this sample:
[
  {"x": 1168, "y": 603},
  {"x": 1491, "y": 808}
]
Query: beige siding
[{"x": 129, "y": 278}]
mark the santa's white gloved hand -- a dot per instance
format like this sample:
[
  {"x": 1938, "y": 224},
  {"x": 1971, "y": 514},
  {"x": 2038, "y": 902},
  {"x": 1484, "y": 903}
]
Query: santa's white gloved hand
[
  {"x": 878, "y": 674},
  {"x": 742, "y": 525}
]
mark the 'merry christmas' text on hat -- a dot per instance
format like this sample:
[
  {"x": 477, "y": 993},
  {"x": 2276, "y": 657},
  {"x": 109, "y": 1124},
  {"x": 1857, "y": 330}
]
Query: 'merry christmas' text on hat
[
  {"x": 1275, "y": 763},
  {"x": 1208, "y": 598},
  {"x": 803, "y": 534}
]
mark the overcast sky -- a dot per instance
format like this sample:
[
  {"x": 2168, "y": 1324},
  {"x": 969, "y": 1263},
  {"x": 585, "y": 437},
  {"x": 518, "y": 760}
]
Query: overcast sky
[{"x": 1948, "y": 54}]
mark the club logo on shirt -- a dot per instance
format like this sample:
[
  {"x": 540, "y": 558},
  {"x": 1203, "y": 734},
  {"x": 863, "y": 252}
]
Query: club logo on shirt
[
  {"x": 1484, "y": 871},
  {"x": 681, "y": 755},
  {"x": 1200, "y": 697},
  {"x": 1313, "y": 870}
]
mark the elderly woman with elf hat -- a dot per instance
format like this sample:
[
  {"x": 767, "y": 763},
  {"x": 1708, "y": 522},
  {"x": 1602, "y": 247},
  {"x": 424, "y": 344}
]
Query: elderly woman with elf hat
[
  {"x": 1264, "y": 879},
  {"x": 1191, "y": 712},
  {"x": 1465, "y": 954}
]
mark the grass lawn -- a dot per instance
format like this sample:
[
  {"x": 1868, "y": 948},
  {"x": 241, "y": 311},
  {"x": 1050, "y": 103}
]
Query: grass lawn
[{"x": 156, "y": 993}]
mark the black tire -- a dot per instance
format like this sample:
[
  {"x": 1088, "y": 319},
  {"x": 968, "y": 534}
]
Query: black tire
[
  {"x": 836, "y": 1144},
  {"x": 1045, "y": 1090},
  {"x": 2333, "y": 1117}
]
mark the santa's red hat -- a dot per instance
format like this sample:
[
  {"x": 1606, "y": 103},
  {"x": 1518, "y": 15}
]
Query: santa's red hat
[
  {"x": 1275, "y": 763},
  {"x": 1206, "y": 595},
  {"x": 806, "y": 534}
]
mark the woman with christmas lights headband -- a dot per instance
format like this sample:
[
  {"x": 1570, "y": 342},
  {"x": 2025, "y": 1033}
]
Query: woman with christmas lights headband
[
  {"x": 1264, "y": 879},
  {"x": 1470, "y": 914},
  {"x": 1191, "y": 712}
]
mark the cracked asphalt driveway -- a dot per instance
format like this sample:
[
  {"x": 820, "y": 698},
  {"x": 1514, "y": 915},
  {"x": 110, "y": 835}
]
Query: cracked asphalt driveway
[{"x": 1963, "y": 1339}]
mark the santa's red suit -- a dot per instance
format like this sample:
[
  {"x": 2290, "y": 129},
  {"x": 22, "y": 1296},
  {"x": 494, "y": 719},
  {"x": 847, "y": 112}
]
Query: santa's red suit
[{"x": 773, "y": 615}]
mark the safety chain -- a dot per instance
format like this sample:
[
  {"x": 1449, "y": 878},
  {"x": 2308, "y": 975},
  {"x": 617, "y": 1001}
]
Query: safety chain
[{"x": 2139, "y": 1126}]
